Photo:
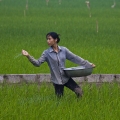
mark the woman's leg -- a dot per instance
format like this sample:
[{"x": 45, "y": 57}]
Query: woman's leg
[
  {"x": 59, "y": 89},
  {"x": 71, "y": 84}
]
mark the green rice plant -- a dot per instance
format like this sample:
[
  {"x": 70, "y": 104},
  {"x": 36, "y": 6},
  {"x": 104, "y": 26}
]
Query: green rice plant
[
  {"x": 32, "y": 101},
  {"x": 19, "y": 30}
]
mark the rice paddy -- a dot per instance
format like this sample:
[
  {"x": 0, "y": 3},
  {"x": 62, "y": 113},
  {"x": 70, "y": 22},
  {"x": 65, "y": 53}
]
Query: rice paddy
[
  {"x": 89, "y": 29},
  {"x": 33, "y": 102},
  {"x": 24, "y": 24}
]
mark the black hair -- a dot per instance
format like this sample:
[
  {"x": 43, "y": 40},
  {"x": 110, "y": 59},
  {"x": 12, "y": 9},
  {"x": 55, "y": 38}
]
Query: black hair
[{"x": 54, "y": 35}]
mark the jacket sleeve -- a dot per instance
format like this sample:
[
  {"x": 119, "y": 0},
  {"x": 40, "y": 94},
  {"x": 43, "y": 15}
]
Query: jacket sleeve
[
  {"x": 38, "y": 62},
  {"x": 76, "y": 59}
]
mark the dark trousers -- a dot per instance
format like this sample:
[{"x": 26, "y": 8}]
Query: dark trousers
[{"x": 71, "y": 84}]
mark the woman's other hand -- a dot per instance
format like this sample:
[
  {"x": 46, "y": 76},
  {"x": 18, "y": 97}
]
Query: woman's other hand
[
  {"x": 93, "y": 65},
  {"x": 25, "y": 53}
]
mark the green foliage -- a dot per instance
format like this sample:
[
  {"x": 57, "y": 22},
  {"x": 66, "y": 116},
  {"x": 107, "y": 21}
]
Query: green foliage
[
  {"x": 33, "y": 102},
  {"x": 26, "y": 29}
]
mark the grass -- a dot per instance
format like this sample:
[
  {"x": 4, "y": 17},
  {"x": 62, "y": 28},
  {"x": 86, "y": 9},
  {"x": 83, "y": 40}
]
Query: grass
[
  {"x": 30, "y": 101},
  {"x": 78, "y": 33},
  {"x": 70, "y": 19}
]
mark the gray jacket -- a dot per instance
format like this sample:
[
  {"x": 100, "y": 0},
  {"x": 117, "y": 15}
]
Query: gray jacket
[{"x": 56, "y": 62}]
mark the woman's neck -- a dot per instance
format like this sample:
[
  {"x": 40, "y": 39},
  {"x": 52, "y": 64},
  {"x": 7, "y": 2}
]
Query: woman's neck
[{"x": 55, "y": 48}]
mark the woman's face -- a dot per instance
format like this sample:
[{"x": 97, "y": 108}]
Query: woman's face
[{"x": 51, "y": 41}]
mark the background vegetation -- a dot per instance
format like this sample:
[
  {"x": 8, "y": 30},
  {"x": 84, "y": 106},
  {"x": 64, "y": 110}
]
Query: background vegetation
[
  {"x": 33, "y": 102},
  {"x": 24, "y": 24}
]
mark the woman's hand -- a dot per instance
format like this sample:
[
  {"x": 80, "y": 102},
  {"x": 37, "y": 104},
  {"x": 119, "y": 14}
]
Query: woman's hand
[
  {"x": 93, "y": 65},
  {"x": 25, "y": 53}
]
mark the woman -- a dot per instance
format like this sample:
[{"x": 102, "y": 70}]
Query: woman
[{"x": 55, "y": 56}]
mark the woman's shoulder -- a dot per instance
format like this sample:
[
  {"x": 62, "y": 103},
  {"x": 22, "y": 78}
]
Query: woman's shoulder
[
  {"x": 62, "y": 47},
  {"x": 48, "y": 50}
]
